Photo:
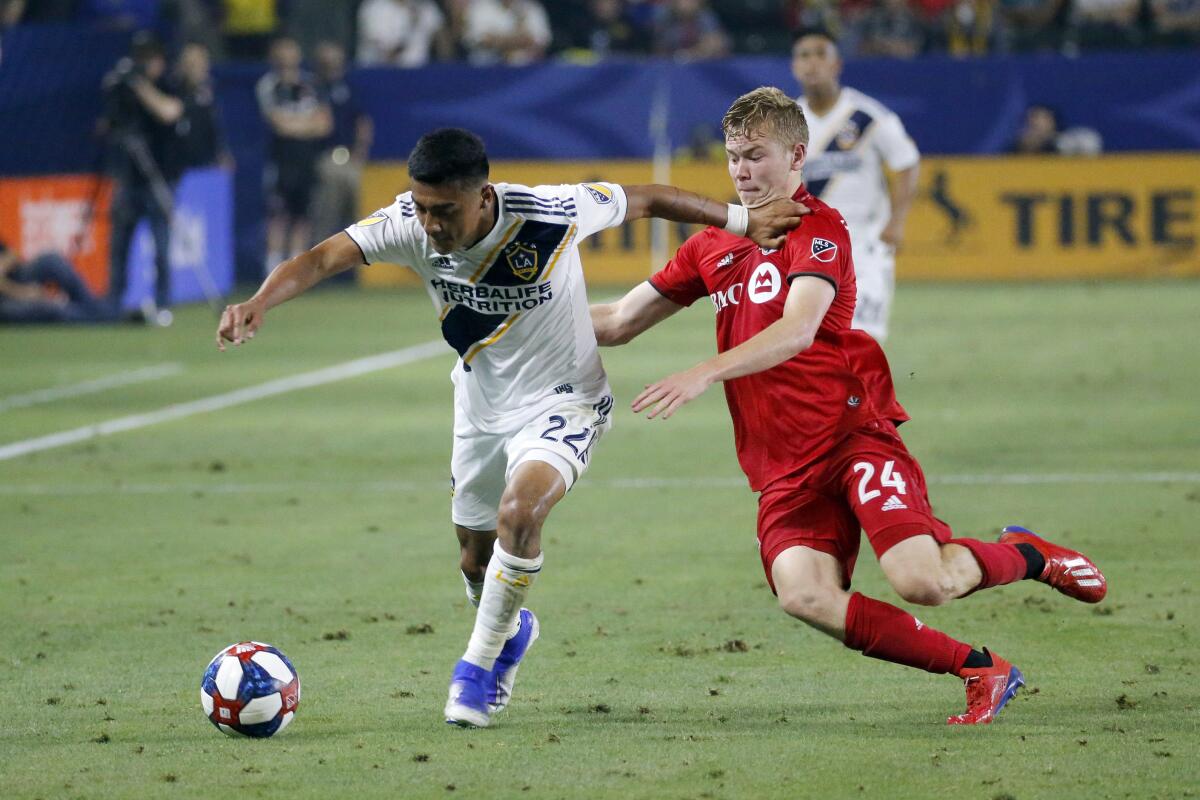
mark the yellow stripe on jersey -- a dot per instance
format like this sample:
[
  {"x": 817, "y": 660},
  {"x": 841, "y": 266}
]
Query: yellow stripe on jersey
[
  {"x": 503, "y": 329},
  {"x": 558, "y": 251},
  {"x": 487, "y": 262}
]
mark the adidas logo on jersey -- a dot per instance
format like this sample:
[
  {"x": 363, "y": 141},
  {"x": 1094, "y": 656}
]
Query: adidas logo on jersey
[
  {"x": 725, "y": 261},
  {"x": 893, "y": 503},
  {"x": 823, "y": 250}
]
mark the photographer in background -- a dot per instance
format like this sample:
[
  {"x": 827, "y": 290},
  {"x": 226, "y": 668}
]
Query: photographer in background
[{"x": 139, "y": 121}]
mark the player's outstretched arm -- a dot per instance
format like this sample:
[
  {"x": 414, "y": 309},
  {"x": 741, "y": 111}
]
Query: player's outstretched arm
[
  {"x": 807, "y": 301},
  {"x": 766, "y": 225},
  {"x": 639, "y": 310},
  {"x": 294, "y": 276}
]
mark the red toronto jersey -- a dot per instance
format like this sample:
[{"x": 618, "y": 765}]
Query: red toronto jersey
[{"x": 787, "y": 417}]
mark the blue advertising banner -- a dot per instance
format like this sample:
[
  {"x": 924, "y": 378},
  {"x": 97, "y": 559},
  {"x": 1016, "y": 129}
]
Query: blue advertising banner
[{"x": 201, "y": 242}]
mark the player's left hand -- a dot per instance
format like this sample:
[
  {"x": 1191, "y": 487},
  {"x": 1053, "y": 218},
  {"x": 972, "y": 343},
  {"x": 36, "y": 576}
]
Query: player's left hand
[
  {"x": 666, "y": 396},
  {"x": 893, "y": 234},
  {"x": 770, "y": 222}
]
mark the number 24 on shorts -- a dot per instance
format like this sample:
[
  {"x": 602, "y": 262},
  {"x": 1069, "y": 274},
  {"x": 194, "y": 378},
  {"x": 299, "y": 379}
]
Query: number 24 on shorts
[
  {"x": 888, "y": 478},
  {"x": 571, "y": 440}
]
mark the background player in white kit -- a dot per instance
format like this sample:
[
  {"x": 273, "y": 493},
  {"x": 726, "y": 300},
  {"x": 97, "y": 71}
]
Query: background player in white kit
[
  {"x": 501, "y": 264},
  {"x": 852, "y": 138}
]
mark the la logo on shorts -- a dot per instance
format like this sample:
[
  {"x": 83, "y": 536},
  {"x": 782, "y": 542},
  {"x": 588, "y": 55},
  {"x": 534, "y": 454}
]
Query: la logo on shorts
[{"x": 823, "y": 250}]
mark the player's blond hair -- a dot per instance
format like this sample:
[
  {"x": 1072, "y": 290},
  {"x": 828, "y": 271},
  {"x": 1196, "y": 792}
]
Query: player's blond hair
[{"x": 766, "y": 111}]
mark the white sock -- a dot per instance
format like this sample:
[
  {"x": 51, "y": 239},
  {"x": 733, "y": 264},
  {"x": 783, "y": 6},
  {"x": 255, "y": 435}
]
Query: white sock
[
  {"x": 505, "y": 587},
  {"x": 474, "y": 589}
]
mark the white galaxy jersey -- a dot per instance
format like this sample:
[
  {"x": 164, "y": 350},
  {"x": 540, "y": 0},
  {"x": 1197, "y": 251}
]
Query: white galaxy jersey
[
  {"x": 513, "y": 306},
  {"x": 847, "y": 148}
]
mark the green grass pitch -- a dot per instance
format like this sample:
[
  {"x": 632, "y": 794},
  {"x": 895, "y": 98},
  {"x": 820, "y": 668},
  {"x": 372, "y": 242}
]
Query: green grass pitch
[{"x": 318, "y": 521}]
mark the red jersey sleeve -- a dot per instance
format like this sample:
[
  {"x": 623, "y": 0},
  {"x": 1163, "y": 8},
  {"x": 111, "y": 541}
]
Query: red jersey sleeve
[
  {"x": 820, "y": 247},
  {"x": 680, "y": 280}
]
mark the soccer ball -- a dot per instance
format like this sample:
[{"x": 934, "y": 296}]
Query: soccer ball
[{"x": 250, "y": 689}]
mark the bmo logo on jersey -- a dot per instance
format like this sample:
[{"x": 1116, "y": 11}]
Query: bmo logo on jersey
[
  {"x": 727, "y": 297},
  {"x": 764, "y": 283}
]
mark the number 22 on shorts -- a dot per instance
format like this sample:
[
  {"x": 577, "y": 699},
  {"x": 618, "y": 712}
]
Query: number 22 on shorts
[
  {"x": 888, "y": 479},
  {"x": 557, "y": 423}
]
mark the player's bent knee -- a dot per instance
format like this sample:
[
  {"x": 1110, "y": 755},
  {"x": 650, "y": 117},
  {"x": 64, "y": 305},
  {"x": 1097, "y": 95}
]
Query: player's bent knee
[
  {"x": 520, "y": 522},
  {"x": 807, "y": 604},
  {"x": 921, "y": 589}
]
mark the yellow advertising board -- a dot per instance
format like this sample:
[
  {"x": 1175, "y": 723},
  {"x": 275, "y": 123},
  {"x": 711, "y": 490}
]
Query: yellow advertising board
[
  {"x": 1051, "y": 217},
  {"x": 996, "y": 218}
]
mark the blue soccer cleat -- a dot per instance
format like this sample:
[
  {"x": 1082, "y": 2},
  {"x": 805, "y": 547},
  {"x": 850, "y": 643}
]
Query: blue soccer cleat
[
  {"x": 504, "y": 673},
  {"x": 467, "y": 706}
]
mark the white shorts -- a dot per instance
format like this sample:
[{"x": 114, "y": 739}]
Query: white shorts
[
  {"x": 563, "y": 435},
  {"x": 875, "y": 274}
]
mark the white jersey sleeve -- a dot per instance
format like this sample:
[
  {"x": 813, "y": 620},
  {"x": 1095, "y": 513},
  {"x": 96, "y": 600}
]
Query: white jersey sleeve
[
  {"x": 596, "y": 206},
  {"x": 387, "y": 235},
  {"x": 896, "y": 147}
]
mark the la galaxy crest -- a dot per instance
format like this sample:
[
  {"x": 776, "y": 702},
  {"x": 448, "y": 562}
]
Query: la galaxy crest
[
  {"x": 522, "y": 260},
  {"x": 848, "y": 135}
]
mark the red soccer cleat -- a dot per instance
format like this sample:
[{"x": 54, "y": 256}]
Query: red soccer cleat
[
  {"x": 1069, "y": 571},
  {"x": 988, "y": 690}
]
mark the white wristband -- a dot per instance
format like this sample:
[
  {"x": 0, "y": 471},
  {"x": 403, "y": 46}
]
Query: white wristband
[{"x": 738, "y": 220}]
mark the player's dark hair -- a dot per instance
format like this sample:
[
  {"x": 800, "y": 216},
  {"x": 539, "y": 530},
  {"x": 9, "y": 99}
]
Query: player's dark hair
[
  {"x": 449, "y": 155},
  {"x": 814, "y": 30}
]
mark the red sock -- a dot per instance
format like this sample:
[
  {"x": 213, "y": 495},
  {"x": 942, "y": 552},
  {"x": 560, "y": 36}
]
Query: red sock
[
  {"x": 999, "y": 563},
  {"x": 885, "y": 632}
]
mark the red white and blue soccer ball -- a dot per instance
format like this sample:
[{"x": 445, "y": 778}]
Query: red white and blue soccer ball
[{"x": 250, "y": 689}]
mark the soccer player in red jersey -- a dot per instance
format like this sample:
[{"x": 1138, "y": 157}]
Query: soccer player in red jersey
[{"x": 814, "y": 417}]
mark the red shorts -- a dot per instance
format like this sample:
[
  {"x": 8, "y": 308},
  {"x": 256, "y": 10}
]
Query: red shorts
[{"x": 869, "y": 481}]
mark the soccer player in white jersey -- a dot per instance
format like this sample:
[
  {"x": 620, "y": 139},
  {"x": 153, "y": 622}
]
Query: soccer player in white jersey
[
  {"x": 501, "y": 264},
  {"x": 852, "y": 138}
]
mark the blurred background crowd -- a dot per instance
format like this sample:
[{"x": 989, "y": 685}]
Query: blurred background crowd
[
  {"x": 411, "y": 33},
  {"x": 201, "y": 142}
]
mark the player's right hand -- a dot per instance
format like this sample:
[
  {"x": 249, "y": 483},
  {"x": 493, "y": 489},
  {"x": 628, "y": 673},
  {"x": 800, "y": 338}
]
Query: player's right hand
[
  {"x": 770, "y": 222},
  {"x": 239, "y": 323}
]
